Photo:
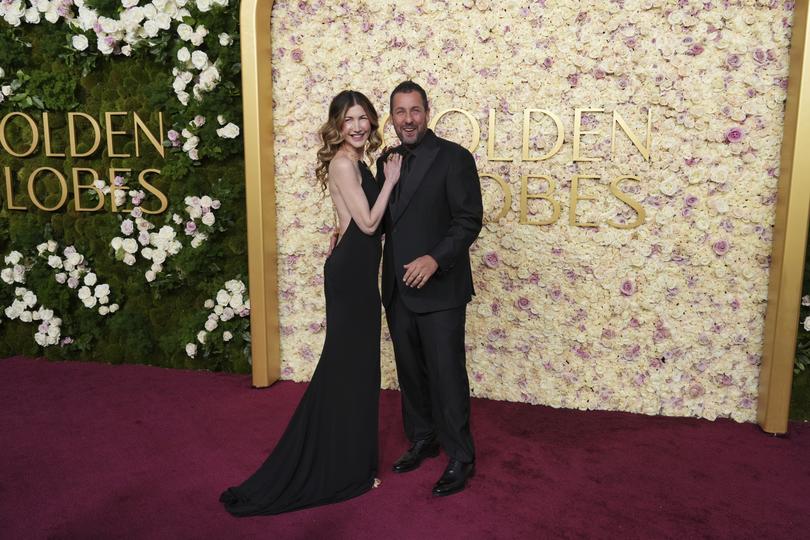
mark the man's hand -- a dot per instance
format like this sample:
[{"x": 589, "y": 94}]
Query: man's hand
[
  {"x": 419, "y": 271},
  {"x": 332, "y": 243}
]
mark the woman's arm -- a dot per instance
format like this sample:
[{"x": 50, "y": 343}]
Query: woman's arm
[{"x": 343, "y": 175}]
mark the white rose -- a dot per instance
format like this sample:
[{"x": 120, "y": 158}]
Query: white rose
[
  {"x": 225, "y": 39},
  {"x": 80, "y": 42},
  {"x": 209, "y": 304},
  {"x": 203, "y": 5},
  {"x": 223, "y": 298},
  {"x": 208, "y": 219},
  {"x": 183, "y": 55},
  {"x": 201, "y": 336},
  {"x": 115, "y": 243},
  {"x": 26, "y": 316},
  {"x": 150, "y": 275},
  {"x": 198, "y": 36},
  {"x": 185, "y": 31},
  {"x": 113, "y": 308},
  {"x": 211, "y": 325},
  {"x": 221, "y": 120},
  {"x": 13, "y": 258},
  {"x": 55, "y": 261},
  {"x": 129, "y": 245},
  {"x": 230, "y": 131},
  {"x": 103, "y": 310},
  {"x": 90, "y": 302},
  {"x": 199, "y": 59},
  {"x": 129, "y": 259},
  {"x": 84, "y": 293},
  {"x": 227, "y": 336},
  {"x": 104, "y": 47},
  {"x": 191, "y": 350},
  {"x": 102, "y": 291},
  {"x": 90, "y": 279},
  {"x": 31, "y": 16},
  {"x": 7, "y": 275},
  {"x": 227, "y": 314},
  {"x": 209, "y": 78},
  {"x": 60, "y": 278},
  {"x": 236, "y": 302},
  {"x": 29, "y": 298},
  {"x": 151, "y": 28}
]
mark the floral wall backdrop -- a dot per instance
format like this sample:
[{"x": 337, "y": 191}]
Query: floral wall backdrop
[
  {"x": 166, "y": 288},
  {"x": 662, "y": 318}
]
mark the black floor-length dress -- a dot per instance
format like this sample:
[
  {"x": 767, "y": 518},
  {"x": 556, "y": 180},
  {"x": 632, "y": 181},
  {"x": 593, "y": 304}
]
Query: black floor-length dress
[{"x": 328, "y": 452}]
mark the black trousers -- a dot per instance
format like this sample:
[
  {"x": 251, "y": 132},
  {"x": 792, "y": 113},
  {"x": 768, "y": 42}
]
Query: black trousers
[{"x": 431, "y": 367}]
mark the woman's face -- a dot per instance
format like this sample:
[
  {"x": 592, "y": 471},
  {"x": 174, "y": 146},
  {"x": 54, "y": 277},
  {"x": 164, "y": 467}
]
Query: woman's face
[{"x": 356, "y": 127}]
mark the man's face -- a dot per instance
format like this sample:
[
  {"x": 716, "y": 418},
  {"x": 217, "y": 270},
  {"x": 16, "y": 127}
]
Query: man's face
[{"x": 409, "y": 117}]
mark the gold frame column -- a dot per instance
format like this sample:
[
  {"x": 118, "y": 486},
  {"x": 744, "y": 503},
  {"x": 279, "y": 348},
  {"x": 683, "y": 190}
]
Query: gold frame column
[
  {"x": 789, "y": 238},
  {"x": 260, "y": 193}
]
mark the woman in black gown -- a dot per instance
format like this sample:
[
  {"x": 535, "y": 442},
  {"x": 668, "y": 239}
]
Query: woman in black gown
[{"x": 328, "y": 452}]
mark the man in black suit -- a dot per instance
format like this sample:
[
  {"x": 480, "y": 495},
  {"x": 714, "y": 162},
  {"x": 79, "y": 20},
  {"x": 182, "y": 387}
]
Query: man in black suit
[{"x": 433, "y": 217}]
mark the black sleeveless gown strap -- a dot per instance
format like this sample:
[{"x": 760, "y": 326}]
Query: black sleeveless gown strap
[{"x": 329, "y": 451}]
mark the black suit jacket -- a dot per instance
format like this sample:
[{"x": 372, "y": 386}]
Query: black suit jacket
[{"x": 439, "y": 213}]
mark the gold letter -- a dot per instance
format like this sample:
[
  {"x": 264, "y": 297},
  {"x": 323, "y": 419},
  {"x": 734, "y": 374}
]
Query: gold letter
[
  {"x": 77, "y": 190},
  {"x": 622, "y": 196},
  {"x": 9, "y": 192},
  {"x": 113, "y": 188},
  {"x": 74, "y": 152},
  {"x": 476, "y": 130},
  {"x": 524, "y": 200},
  {"x": 578, "y": 132},
  {"x": 158, "y": 145},
  {"x": 33, "y": 194},
  {"x": 491, "y": 139},
  {"x": 575, "y": 197},
  {"x": 527, "y": 117},
  {"x": 645, "y": 151},
  {"x": 164, "y": 202},
  {"x": 47, "y": 129},
  {"x": 507, "y": 194},
  {"x": 110, "y": 132},
  {"x": 34, "y": 134}
]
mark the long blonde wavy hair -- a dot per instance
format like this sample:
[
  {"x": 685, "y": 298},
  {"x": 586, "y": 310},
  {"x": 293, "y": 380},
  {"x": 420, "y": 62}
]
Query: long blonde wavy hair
[{"x": 332, "y": 137}]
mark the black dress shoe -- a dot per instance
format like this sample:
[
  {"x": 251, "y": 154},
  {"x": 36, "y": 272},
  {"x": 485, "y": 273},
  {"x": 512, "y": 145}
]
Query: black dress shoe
[
  {"x": 454, "y": 478},
  {"x": 413, "y": 457}
]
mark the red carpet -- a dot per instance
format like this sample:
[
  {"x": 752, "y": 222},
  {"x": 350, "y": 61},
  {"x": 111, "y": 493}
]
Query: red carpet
[{"x": 100, "y": 451}]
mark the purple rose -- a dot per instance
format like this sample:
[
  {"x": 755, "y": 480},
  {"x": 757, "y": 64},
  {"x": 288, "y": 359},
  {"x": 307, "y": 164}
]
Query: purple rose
[
  {"x": 735, "y": 134},
  {"x": 72, "y": 282},
  {"x": 143, "y": 238},
  {"x": 548, "y": 62},
  {"x": 127, "y": 227},
  {"x": 691, "y": 201},
  {"x": 136, "y": 212},
  {"x": 696, "y": 390},
  {"x": 190, "y": 227},
  {"x": 695, "y": 49},
  {"x": 173, "y": 135},
  {"x": 720, "y": 247},
  {"x": 523, "y": 303},
  {"x": 297, "y": 55},
  {"x": 628, "y": 288},
  {"x": 491, "y": 259},
  {"x": 598, "y": 73},
  {"x": 760, "y": 57},
  {"x": 733, "y": 61},
  {"x": 573, "y": 79}
]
